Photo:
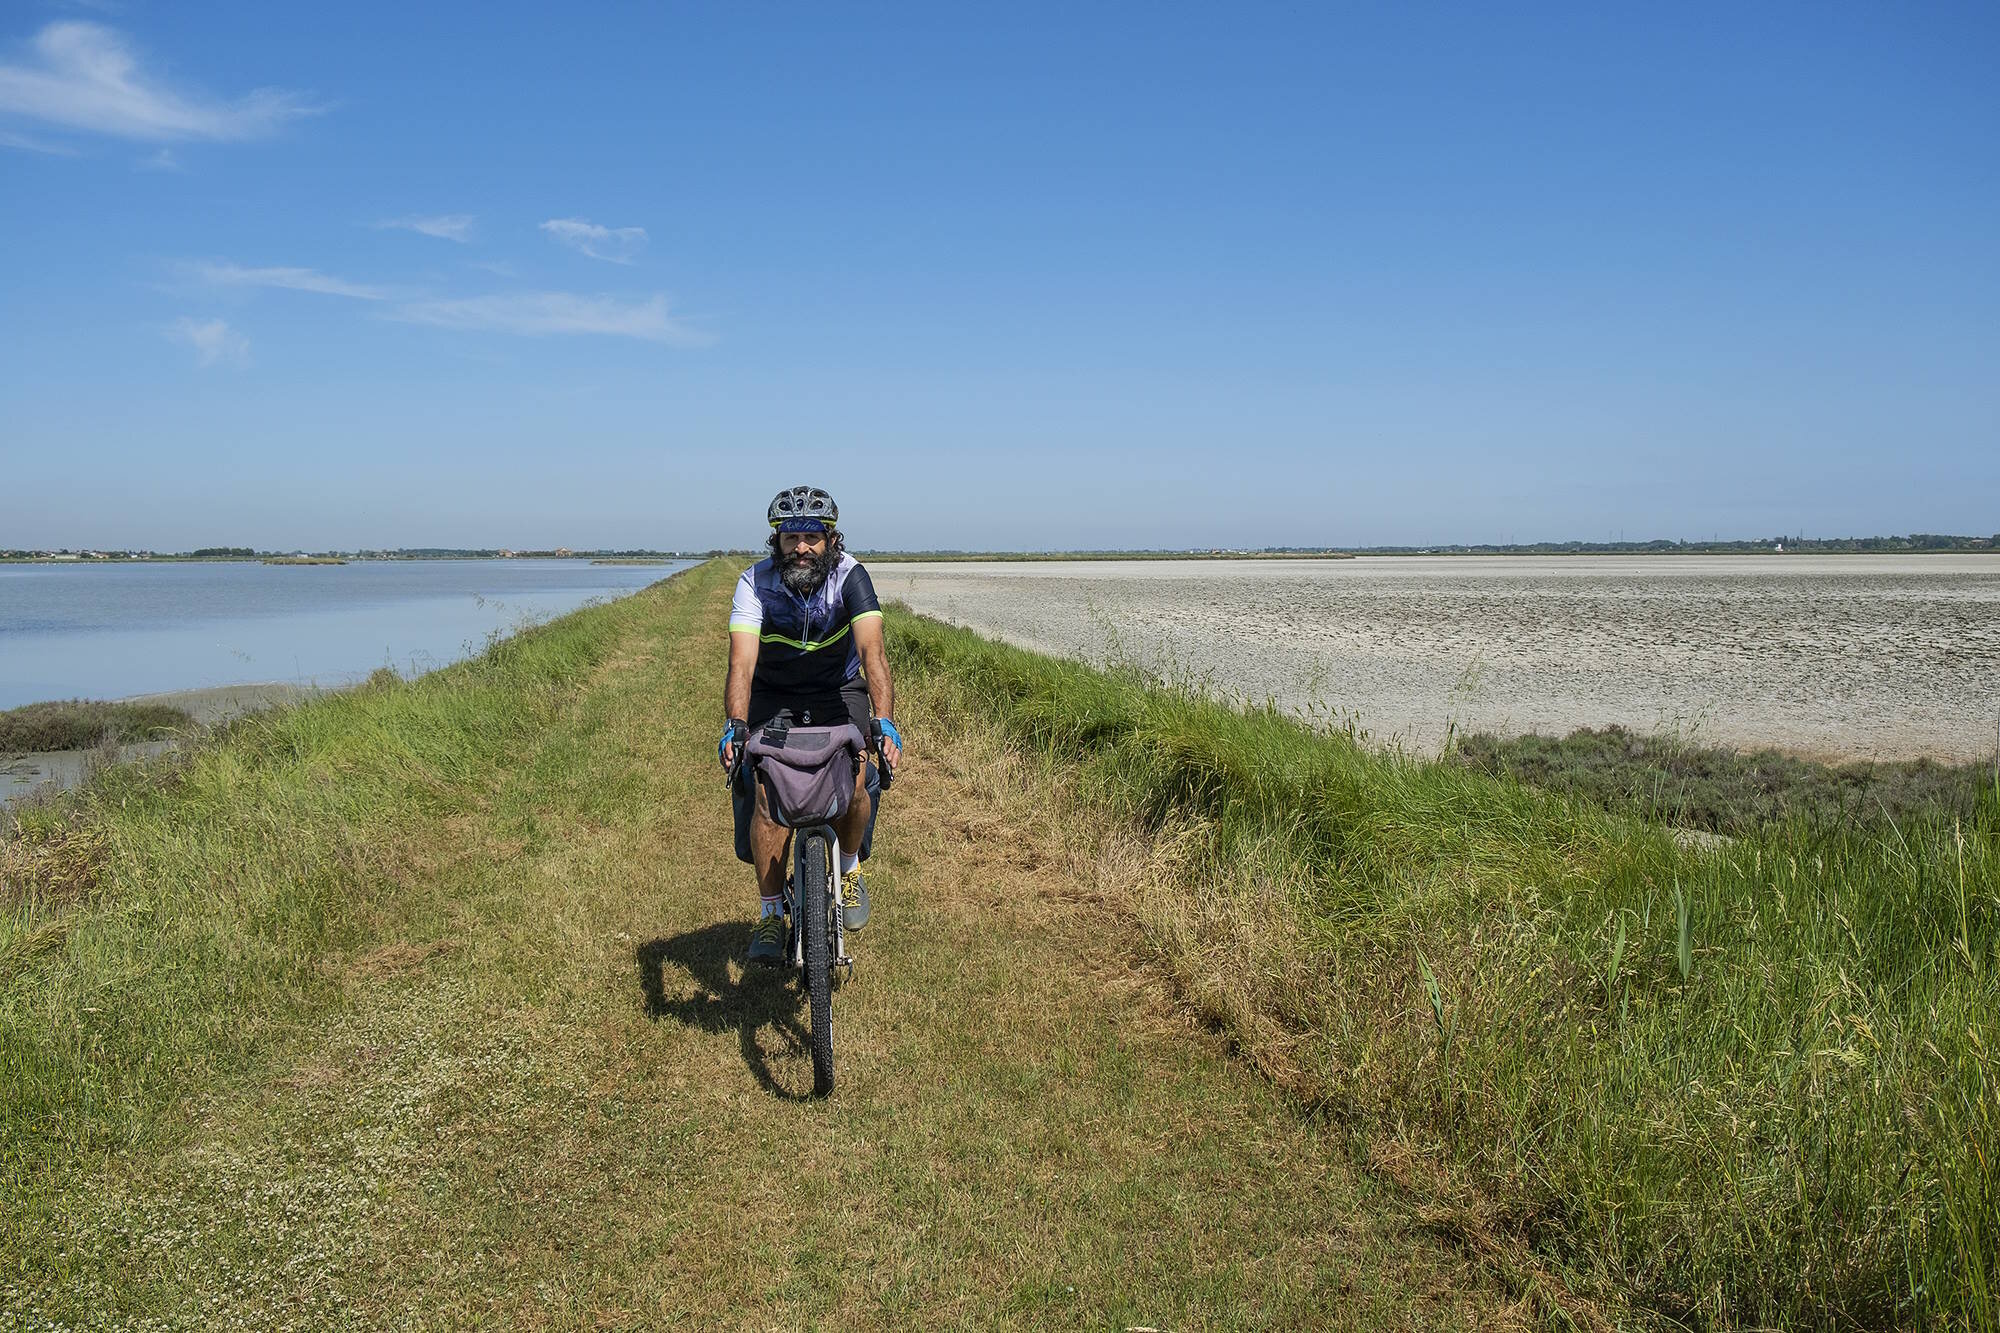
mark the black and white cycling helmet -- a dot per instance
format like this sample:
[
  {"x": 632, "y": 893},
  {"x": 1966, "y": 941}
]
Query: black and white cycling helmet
[{"x": 803, "y": 504}]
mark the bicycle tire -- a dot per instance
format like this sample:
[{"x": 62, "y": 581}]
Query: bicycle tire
[{"x": 815, "y": 908}]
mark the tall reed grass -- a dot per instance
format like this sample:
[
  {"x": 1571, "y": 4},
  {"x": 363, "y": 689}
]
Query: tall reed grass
[{"x": 1750, "y": 1086}]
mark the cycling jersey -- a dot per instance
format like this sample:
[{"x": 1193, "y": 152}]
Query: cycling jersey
[{"x": 808, "y": 650}]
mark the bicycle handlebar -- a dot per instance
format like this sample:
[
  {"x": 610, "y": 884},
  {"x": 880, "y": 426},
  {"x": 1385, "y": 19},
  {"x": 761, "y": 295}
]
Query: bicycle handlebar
[{"x": 884, "y": 774}]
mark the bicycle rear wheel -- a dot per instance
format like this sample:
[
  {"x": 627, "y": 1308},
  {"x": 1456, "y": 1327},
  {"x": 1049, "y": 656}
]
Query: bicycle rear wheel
[{"x": 815, "y": 909}]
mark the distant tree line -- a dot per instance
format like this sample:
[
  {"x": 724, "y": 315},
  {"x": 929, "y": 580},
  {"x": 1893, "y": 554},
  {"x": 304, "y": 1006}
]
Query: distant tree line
[{"x": 1915, "y": 542}]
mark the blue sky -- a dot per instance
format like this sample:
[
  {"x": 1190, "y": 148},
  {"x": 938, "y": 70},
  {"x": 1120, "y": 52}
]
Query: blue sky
[{"x": 1022, "y": 276}]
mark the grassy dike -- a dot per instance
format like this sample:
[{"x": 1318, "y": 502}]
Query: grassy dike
[
  {"x": 1752, "y": 1087},
  {"x": 422, "y": 1006}
]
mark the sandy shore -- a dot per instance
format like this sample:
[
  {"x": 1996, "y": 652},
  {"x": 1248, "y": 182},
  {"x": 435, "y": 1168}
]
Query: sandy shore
[
  {"x": 219, "y": 703},
  {"x": 1829, "y": 658},
  {"x": 21, "y": 774}
]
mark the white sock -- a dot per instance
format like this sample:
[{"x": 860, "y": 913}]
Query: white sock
[
  {"x": 772, "y": 906},
  {"x": 849, "y": 862}
]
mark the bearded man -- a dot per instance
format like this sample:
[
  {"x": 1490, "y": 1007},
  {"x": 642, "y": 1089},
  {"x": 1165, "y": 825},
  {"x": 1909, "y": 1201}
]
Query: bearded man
[{"x": 805, "y": 634}]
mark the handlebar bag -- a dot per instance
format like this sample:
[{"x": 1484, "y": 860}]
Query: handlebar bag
[
  {"x": 743, "y": 804},
  {"x": 807, "y": 772}
]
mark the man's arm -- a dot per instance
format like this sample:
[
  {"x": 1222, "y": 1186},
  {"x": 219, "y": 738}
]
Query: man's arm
[
  {"x": 873, "y": 648},
  {"x": 746, "y": 621},
  {"x": 743, "y": 645}
]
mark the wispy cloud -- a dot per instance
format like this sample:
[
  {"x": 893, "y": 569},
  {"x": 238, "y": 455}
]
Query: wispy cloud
[
  {"x": 445, "y": 226},
  {"x": 84, "y": 76},
  {"x": 291, "y": 279},
  {"x": 538, "y": 314},
  {"x": 214, "y": 342},
  {"x": 28, "y": 143},
  {"x": 163, "y": 160},
  {"x": 617, "y": 245}
]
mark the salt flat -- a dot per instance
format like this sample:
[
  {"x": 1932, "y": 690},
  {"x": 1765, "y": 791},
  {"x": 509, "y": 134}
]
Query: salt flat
[{"x": 1872, "y": 657}]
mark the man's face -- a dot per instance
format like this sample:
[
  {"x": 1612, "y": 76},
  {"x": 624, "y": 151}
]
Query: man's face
[
  {"x": 801, "y": 548},
  {"x": 804, "y": 561}
]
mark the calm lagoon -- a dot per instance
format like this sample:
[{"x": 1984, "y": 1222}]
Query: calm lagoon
[{"x": 111, "y": 631}]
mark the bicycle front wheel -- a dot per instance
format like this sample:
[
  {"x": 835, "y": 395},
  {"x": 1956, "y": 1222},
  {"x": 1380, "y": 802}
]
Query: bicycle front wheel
[{"x": 815, "y": 912}]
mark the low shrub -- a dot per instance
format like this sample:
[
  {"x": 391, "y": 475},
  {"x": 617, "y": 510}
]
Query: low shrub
[
  {"x": 80, "y": 724},
  {"x": 1725, "y": 791}
]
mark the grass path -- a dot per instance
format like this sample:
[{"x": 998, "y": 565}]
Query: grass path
[{"x": 548, "y": 1095}]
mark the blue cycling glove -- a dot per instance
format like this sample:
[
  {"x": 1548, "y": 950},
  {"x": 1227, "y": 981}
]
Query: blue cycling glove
[
  {"x": 733, "y": 730},
  {"x": 888, "y": 728}
]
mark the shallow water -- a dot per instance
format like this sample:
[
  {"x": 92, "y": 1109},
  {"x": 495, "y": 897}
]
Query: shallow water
[
  {"x": 1884, "y": 657},
  {"x": 190, "y": 631},
  {"x": 108, "y": 631}
]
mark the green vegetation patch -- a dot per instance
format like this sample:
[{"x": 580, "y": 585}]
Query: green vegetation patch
[
  {"x": 1724, "y": 791},
  {"x": 1752, "y": 1086},
  {"x": 80, "y": 724}
]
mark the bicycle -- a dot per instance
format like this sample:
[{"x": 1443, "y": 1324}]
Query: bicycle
[{"x": 807, "y": 774}]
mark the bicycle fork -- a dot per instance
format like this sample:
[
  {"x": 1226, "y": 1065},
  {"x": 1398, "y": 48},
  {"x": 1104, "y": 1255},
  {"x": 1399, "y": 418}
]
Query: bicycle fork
[{"x": 837, "y": 909}]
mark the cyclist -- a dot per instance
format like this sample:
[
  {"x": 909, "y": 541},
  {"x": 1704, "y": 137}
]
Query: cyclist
[{"x": 805, "y": 634}]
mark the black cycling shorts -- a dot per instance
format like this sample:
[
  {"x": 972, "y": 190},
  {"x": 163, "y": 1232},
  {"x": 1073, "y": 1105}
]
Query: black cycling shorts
[{"x": 849, "y": 704}]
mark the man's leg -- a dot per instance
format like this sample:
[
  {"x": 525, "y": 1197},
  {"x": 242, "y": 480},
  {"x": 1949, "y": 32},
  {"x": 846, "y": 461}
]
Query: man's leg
[
  {"x": 851, "y": 828},
  {"x": 853, "y": 825},
  {"x": 767, "y": 848},
  {"x": 767, "y": 853}
]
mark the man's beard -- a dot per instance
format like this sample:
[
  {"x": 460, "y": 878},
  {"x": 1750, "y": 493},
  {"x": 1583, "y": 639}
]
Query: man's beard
[{"x": 804, "y": 577}]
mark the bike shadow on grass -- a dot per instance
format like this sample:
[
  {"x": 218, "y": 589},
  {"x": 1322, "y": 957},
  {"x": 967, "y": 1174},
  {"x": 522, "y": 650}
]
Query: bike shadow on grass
[{"x": 752, "y": 1000}]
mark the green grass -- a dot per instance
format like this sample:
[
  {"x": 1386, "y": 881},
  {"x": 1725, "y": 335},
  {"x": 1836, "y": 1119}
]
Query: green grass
[
  {"x": 1753, "y": 1086},
  {"x": 81, "y": 724},
  {"x": 170, "y": 917},
  {"x": 1725, "y": 791}
]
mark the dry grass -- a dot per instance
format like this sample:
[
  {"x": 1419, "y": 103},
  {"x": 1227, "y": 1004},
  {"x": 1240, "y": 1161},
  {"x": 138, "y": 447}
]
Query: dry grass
[{"x": 51, "y": 859}]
